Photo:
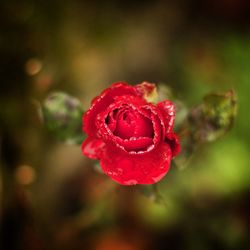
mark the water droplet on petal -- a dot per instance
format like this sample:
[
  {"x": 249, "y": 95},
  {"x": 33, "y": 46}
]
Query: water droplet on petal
[
  {"x": 119, "y": 171},
  {"x": 159, "y": 177},
  {"x": 130, "y": 182}
]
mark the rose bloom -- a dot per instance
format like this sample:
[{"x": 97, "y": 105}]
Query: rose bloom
[{"x": 132, "y": 137}]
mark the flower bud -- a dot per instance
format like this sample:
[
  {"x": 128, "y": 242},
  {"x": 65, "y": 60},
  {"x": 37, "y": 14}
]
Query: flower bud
[{"x": 62, "y": 115}]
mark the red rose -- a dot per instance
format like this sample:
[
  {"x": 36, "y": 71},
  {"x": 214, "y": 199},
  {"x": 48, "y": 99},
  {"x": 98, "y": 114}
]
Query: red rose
[{"x": 132, "y": 138}]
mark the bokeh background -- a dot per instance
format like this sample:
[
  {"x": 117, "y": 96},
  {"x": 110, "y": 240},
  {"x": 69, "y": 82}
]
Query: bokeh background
[{"x": 54, "y": 198}]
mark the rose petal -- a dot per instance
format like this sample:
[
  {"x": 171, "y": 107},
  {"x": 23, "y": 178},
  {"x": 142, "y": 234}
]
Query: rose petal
[
  {"x": 168, "y": 110},
  {"x": 137, "y": 144},
  {"x": 130, "y": 123},
  {"x": 93, "y": 148},
  {"x": 111, "y": 120},
  {"x": 101, "y": 102},
  {"x": 126, "y": 122},
  {"x": 143, "y": 127},
  {"x": 130, "y": 99},
  {"x": 174, "y": 143},
  {"x": 136, "y": 169},
  {"x": 152, "y": 112}
]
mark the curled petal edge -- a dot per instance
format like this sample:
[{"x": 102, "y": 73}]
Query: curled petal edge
[{"x": 167, "y": 109}]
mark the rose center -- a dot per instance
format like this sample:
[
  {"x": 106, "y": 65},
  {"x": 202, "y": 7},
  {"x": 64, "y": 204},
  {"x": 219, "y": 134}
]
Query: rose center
[{"x": 130, "y": 123}]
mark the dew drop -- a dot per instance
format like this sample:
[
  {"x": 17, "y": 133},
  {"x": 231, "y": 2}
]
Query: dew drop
[
  {"x": 119, "y": 171},
  {"x": 110, "y": 173},
  {"x": 159, "y": 177},
  {"x": 130, "y": 182}
]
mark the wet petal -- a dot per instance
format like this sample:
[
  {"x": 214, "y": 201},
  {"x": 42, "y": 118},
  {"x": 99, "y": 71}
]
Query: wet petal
[
  {"x": 126, "y": 122},
  {"x": 168, "y": 110},
  {"x": 131, "y": 123},
  {"x": 157, "y": 119},
  {"x": 137, "y": 144},
  {"x": 143, "y": 127},
  {"x": 136, "y": 169},
  {"x": 93, "y": 148},
  {"x": 111, "y": 121}
]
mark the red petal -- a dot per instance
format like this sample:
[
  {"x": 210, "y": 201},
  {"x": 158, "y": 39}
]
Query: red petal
[
  {"x": 143, "y": 127},
  {"x": 130, "y": 99},
  {"x": 101, "y": 102},
  {"x": 93, "y": 148},
  {"x": 130, "y": 123},
  {"x": 174, "y": 143},
  {"x": 126, "y": 122},
  {"x": 129, "y": 169},
  {"x": 157, "y": 119},
  {"x": 168, "y": 110},
  {"x": 111, "y": 121},
  {"x": 137, "y": 144}
]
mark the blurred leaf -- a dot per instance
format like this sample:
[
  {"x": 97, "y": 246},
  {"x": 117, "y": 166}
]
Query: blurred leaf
[
  {"x": 62, "y": 116},
  {"x": 153, "y": 193},
  {"x": 213, "y": 117},
  {"x": 219, "y": 111},
  {"x": 205, "y": 123}
]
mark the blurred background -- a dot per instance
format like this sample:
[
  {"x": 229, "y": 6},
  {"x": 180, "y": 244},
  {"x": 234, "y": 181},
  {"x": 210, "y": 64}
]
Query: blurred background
[{"x": 52, "y": 197}]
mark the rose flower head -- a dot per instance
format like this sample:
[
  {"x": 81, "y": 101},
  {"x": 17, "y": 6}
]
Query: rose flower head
[{"x": 132, "y": 137}]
